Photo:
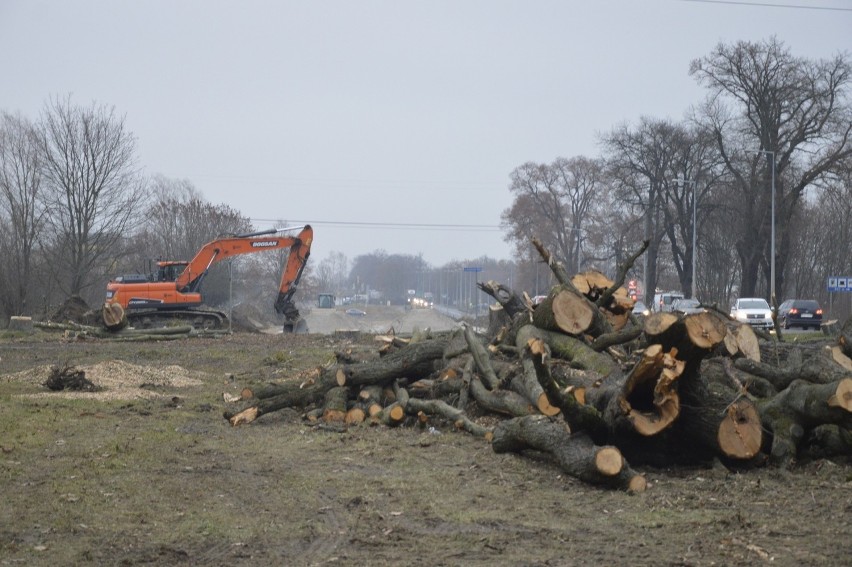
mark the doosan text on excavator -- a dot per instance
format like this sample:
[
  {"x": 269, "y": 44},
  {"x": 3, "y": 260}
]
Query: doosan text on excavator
[{"x": 173, "y": 292}]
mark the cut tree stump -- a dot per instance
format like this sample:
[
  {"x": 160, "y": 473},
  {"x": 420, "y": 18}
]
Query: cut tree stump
[{"x": 21, "y": 324}]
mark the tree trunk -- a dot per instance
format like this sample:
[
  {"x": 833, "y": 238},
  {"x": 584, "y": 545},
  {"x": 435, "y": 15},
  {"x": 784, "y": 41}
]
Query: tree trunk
[
  {"x": 800, "y": 407},
  {"x": 575, "y": 454}
]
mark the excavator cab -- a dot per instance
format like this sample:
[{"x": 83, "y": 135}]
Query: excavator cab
[{"x": 169, "y": 271}]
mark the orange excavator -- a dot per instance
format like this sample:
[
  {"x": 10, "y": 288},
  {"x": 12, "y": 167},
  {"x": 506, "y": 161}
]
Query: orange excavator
[{"x": 173, "y": 291}]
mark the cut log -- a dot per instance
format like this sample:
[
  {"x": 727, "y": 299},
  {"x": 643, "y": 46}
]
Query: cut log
[
  {"x": 575, "y": 454},
  {"x": 529, "y": 379},
  {"x": 800, "y": 407},
  {"x": 620, "y": 337},
  {"x": 567, "y": 311},
  {"x": 500, "y": 401},
  {"x": 414, "y": 361},
  {"x": 458, "y": 418},
  {"x": 510, "y": 301},
  {"x": 718, "y": 418},
  {"x": 481, "y": 358},
  {"x": 290, "y": 394},
  {"x": 829, "y": 441},
  {"x": 694, "y": 335},
  {"x": 812, "y": 370},
  {"x": 571, "y": 349},
  {"x": 334, "y": 408},
  {"x": 571, "y": 400},
  {"x": 835, "y": 353},
  {"x": 114, "y": 317},
  {"x": 844, "y": 340},
  {"x": 646, "y": 397}
]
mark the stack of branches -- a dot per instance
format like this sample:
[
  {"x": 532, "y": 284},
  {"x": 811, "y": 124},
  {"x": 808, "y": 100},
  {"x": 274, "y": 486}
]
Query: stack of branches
[{"x": 580, "y": 378}]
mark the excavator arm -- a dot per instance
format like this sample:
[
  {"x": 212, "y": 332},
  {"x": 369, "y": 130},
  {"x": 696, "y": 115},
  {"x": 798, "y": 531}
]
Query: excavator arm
[{"x": 222, "y": 249}]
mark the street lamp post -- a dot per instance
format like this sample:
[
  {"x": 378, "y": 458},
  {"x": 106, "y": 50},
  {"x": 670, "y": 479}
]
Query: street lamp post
[
  {"x": 578, "y": 230},
  {"x": 694, "y": 233},
  {"x": 772, "y": 237}
]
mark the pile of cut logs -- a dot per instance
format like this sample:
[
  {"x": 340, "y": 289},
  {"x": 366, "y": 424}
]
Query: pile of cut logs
[{"x": 580, "y": 378}]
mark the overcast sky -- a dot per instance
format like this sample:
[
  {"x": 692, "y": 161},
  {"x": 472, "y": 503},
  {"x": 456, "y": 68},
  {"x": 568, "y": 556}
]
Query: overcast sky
[{"x": 398, "y": 115}]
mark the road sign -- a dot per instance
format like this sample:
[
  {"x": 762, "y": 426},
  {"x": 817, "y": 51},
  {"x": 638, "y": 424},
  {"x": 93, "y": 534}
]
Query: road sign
[
  {"x": 840, "y": 283},
  {"x": 476, "y": 269}
]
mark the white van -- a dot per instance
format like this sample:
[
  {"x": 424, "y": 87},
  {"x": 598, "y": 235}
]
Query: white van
[{"x": 663, "y": 300}]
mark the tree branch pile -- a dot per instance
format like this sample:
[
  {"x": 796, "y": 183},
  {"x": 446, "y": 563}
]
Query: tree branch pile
[{"x": 581, "y": 379}]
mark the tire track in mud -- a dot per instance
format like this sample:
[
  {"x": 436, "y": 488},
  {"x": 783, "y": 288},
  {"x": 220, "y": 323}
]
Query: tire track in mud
[{"x": 322, "y": 546}]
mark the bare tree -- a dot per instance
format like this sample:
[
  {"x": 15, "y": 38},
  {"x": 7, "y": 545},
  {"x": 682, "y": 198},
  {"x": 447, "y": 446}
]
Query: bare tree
[
  {"x": 22, "y": 210},
  {"x": 769, "y": 110},
  {"x": 642, "y": 164},
  {"x": 177, "y": 223},
  {"x": 332, "y": 273},
  {"x": 553, "y": 202},
  {"x": 92, "y": 186}
]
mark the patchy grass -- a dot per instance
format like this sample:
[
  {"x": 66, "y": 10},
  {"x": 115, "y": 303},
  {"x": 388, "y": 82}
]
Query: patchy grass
[{"x": 165, "y": 481}]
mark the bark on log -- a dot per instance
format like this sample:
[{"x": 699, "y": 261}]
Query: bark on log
[
  {"x": 510, "y": 301},
  {"x": 415, "y": 361},
  {"x": 845, "y": 338},
  {"x": 574, "y": 350},
  {"x": 693, "y": 335},
  {"x": 718, "y": 418},
  {"x": 532, "y": 388},
  {"x": 625, "y": 335},
  {"x": 481, "y": 358},
  {"x": 501, "y": 401},
  {"x": 334, "y": 408},
  {"x": 290, "y": 394},
  {"x": 781, "y": 378},
  {"x": 571, "y": 401},
  {"x": 829, "y": 441},
  {"x": 575, "y": 454},
  {"x": 800, "y": 407},
  {"x": 458, "y": 418},
  {"x": 555, "y": 266}
]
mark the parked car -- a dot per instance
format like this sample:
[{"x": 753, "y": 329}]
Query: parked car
[
  {"x": 356, "y": 312},
  {"x": 753, "y": 310},
  {"x": 800, "y": 312},
  {"x": 664, "y": 299},
  {"x": 687, "y": 306}
]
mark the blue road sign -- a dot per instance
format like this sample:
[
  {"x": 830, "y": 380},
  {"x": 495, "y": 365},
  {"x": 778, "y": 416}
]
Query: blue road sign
[
  {"x": 840, "y": 283},
  {"x": 477, "y": 269}
]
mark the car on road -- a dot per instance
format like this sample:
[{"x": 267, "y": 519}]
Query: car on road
[
  {"x": 687, "y": 306},
  {"x": 663, "y": 300},
  {"x": 754, "y": 311},
  {"x": 356, "y": 312},
  {"x": 639, "y": 308},
  {"x": 800, "y": 313}
]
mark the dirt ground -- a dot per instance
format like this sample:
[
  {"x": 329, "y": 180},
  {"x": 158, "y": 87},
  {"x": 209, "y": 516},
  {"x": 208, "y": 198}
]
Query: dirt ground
[{"x": 148, "y": 472}]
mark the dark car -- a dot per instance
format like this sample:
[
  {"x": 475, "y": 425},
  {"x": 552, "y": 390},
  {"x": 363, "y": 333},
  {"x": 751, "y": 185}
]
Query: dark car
[{"x": 800, "y": 313}]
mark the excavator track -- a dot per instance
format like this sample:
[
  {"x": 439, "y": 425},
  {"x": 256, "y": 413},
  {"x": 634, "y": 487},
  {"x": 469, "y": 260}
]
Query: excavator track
[{"x": 207, "y": 319}]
